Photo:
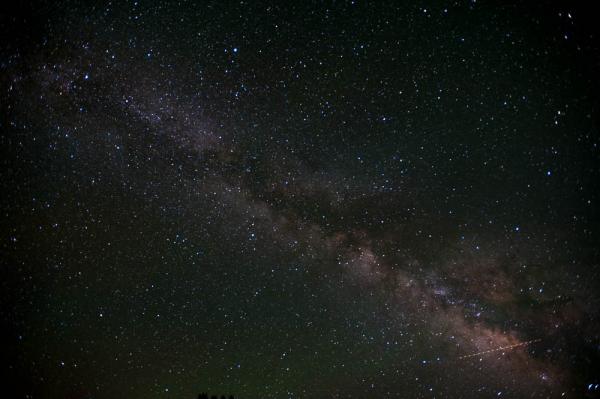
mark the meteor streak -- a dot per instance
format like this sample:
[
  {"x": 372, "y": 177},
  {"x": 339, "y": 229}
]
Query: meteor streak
[{"x": 501, "y": 348}]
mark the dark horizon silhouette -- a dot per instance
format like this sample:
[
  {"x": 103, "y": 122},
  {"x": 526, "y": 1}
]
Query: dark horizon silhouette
[{"x": 204, "y": 395}]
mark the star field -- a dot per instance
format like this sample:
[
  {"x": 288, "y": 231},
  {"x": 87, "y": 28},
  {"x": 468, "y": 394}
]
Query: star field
[{"x": 299, "y": 199}]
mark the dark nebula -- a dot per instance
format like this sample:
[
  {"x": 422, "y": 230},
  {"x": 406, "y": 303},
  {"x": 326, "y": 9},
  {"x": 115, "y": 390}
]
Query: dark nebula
[{"x": 300, "y": 199}]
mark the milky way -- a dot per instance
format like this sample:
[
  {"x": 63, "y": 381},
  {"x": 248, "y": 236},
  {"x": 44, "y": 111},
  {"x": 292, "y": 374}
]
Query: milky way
[{"x": 342, "y": 199}]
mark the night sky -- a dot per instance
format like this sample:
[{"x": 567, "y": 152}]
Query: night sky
[{"x": 300, "y": 199}]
